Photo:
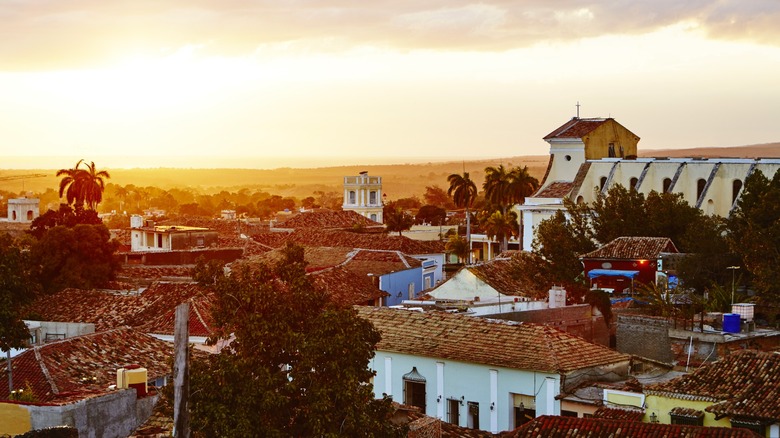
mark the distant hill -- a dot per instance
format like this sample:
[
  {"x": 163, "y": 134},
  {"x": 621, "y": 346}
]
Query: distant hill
[
  {"x": 399, "y": 180},
  {"x": 767, "y": 150}
]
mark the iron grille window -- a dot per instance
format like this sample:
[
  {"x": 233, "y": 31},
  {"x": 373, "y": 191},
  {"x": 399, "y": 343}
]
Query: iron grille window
[
  {"x": 414, "y": 389},
  {"x": 684, "y": 419},
  {"x": 755, "y": 426},
  {"x": 453, "y": 411}
]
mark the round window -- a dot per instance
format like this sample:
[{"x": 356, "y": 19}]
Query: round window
[{"x": 606, "y": 265}]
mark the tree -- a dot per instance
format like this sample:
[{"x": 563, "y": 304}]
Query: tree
[
  {"x": 297, "y": 364},
  {"x": 81, "y": 256},
  {"x": 70, "y": 184},
  {"x": 507, "y": 187},
  {"x": 560, "y": 242},
  {"x": 17, "y": 288},
  {"x": 499, "y": 226},
  {"x": 755, "y": 233},
  {"x": 83, "y": 186},
  {"x": 65, "y": 216},
  {"x": 431, "y": 215},
  {"x": 93, "y": 184},
  {"x": 621, "y": 212},
  {"x": 435, "y": 195},
  {"x": 458, "y": 246},
  {"x": 463, "y": 192},
  {"x": 396, "y": 219}
]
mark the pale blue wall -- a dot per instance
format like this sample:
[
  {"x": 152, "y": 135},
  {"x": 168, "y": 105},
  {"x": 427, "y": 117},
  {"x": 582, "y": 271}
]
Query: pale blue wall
[{"x": 468, "y": 380}]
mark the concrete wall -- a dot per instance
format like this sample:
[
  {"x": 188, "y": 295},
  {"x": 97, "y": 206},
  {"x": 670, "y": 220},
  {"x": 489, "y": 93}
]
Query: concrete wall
[
  {"x": 14, "y": 419},
  {"x": 644, "y": 336},
  {"x": 115, "y": 414},
  {"x": 181, "y": 257},
  {"x": 453, "y": 380},
  {"x": 59, "y": 330},
  {"x": 577, "y": 320}
]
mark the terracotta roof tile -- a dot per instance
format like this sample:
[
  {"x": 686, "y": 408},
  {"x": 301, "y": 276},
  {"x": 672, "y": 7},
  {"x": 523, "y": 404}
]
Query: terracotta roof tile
[
  {"x": 566, "y": 427},
  {"x": 111, "y": 310},
  {"x": 575, "y": 128},
  {"x": 335, "y": 238},
  {"x": 477, "y": 340},
  {"x": 633, "y": 248},
  {"x": 619, "y": 414},
  {"x": 743, "y": 384},
  {"x": 345, "y": 287},
  {"x": 55, "y": 370},
  {"x": 322, "y": 219},
  {"x": 556, "y": 189}
]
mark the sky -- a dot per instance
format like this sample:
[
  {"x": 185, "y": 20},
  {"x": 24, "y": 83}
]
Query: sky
[{"x": 239, "y": 83}]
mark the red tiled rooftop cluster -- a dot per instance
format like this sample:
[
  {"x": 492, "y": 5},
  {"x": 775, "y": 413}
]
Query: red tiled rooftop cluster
[
  {"x": 477, "y": 340},
  {"x": 322, "y": 219},
  {"x": 743, "y": 384},
  {"x": 347, "y": 288},
  {"x": 633, "y": 248},
  {"x": 575, "y": 128},
  {"x": 567, "y": 427},
  {"x": 346, "y": 239},
  {"x": 107, "y": 310},
  {"x": 55, "y": 371}
]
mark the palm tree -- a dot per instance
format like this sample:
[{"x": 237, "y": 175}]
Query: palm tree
[
  {"x": 523, "y": 185},
  {"x": 70, "y": 184},
  {"x": 83, "y": 186},
  {"x": 463, "y": 192},
  {"x": 458, "y": 246},
  {"x": 93, "y": 185},
  {"x": 398, "y": 220},
  {"x": 500, "y": 226}
]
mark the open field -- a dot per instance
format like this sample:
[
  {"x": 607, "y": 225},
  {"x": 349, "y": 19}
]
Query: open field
[{"x": 399, "y": 180}]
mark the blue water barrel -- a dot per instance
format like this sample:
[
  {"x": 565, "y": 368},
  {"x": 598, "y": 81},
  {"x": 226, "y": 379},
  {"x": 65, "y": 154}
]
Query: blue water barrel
[{"x": 731, "y": 322}]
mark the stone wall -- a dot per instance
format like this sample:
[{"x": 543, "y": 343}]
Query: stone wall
[
  {"x": 115, "y": 414},
  {"x": 577, "y": 320},
  {"x": 644, "y": 336}
]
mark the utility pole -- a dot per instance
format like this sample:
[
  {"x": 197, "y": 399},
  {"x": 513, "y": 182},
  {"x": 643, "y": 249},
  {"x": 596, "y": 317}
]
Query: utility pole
[{"x": 181, "y": 372}]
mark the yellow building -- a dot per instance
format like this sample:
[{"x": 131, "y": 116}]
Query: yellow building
[{"x": 741, "y": 390}]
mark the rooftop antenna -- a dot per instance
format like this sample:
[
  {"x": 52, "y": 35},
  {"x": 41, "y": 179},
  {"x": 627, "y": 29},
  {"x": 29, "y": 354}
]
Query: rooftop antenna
[{"x": 578, "y": 109}]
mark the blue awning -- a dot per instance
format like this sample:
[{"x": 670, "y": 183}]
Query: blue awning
[{"x": 593, "y": 273}]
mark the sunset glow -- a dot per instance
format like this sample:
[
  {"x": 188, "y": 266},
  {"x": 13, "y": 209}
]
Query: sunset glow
[{"x": 359, "y": 81}]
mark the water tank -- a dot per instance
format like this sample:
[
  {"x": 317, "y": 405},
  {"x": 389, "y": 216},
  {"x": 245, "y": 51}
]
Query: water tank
[
  {"x": 731, "y": 322},
  {"x": 136, "y": 221}
]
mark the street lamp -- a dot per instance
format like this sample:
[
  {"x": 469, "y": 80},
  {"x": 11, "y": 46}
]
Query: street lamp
[{"x": 733, "y": 270}]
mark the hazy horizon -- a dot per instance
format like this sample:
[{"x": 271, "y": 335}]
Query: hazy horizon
[{"x": 350, "y": 78}]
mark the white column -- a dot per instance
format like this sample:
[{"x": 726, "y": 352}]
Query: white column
[
  {"x": 774, "y": 430},
  {"x": 528, "y": 230},
  {"x": 440, "y": 389},
  {"x": 389, "y": 377},
  {"x": 493, "y": 401},
  {"x": 550, "y": 390},
  {"x": 346, "y": 197}
]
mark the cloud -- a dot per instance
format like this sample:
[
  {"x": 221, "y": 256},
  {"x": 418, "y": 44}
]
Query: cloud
[{"x": 38, "y": 34}]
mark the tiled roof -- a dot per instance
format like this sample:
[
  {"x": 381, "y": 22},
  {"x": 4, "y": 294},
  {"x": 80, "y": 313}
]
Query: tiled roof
[
  {"x": 502, "y": 275},
  {"x": 200, "y": 321},
  {"x": 55, "y": 370},
  {"x": 477, "y": 340},
  {"x": 334, "y": 238},
  {"x": 108, "y": 310},
  {"x": 321, "y": 219},
  {"x": 619, "y": 414},
  {"x": 575, "y": 128},
  {"x": 556, "y": 189},
  {"x": 633, "y": 247},
  {"x": 380, "y": 262},
  {"x": 343, "y": 286},
  {"x": 566, "y": 427},
  {"x": 743, "y": 384}
]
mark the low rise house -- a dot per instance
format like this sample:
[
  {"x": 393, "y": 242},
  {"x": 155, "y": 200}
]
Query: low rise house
[
  {"x": 480, "y": 373},
  {"x": 626, "y": 262},
  {"x": 73, "y": 382},
  {"x": 741, "y": 390}
]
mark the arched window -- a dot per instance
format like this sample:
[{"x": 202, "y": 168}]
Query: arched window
[
  {"x": 580, "y": 200},
  {"x": 414, "y": 389},
  {"x": 29, "y": 215},
  {"x": 602, "y": 182},
  {"x": 632, "y": 183},
  {"x": 667, "y": 185},
  {"x": 700, "y": 187},
  {"x": 736, "y": 186}
]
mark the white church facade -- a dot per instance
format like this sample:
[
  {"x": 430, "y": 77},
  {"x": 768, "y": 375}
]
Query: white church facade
[{"x": 588, "y": 156}]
